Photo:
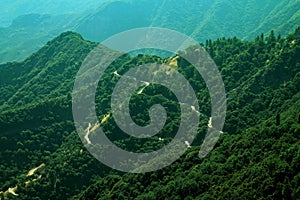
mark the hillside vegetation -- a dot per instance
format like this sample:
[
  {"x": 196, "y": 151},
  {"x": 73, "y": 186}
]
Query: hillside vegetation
[{"x": 256, "y": 157}]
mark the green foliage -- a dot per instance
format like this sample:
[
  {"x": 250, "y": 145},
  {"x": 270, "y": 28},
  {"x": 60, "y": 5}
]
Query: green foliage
[
  {"x": 260, "y": 163},
  {"x": 40, "y": 76},
  {"x": 254, "y": 159}
]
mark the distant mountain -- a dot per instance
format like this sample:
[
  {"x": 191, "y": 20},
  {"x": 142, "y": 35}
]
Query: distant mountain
[
  {"x": 115, "y": 17},
  {"x": 25, "y": 26},
  {"x": 9, "y": 10},
  {"x": 28, "y": 33},
  {"x": 226, "y": 18},
  {"x": 200, "y": 19}
]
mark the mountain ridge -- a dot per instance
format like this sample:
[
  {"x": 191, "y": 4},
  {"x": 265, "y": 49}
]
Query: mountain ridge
[{"x": 38, "y": 68}]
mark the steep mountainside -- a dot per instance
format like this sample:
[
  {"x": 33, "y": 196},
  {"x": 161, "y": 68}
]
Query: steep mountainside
[
  {"x": 42, "y": 156},
  {"x": 44, "y": 75},
  {"x": 36, "y": 122}
]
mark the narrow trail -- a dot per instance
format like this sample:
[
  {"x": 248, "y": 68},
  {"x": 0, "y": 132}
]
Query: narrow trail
[
  {"x": 13, "y": 190},
  {"x": 210, "y": 123},
  {"x": 86, "y": 137},
  {"x": 32, "y": 171},
  {"x": 91, "y": 129},
  {"x": 33, "y": 180},
  {"x": 187, "y": 144},
  {"x": 105, "y": 118},
  {"x": 146, "y": 84}
]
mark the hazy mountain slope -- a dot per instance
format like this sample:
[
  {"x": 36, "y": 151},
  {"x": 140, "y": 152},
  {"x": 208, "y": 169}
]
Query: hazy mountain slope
[
  {"x": 201, "y": 19},
  {"x": 219, "y": 18},
  {"x": 28, "y": 33},
  {"x": 30, "y": 24},
  {"x": 9, "y": 10},
  {"x": 115, "y": 17},
  {"x": 287, "y": 10}
]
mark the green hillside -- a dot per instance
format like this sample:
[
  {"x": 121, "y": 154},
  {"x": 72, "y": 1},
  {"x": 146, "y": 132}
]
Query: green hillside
[
  {"x": 260, "y": 163},
  {"x": 256, "y": 158},
  {"x": 46, "y": 74}
]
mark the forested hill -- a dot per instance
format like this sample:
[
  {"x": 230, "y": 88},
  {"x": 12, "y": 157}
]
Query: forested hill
[
  {"x": 42, "y": 156},
  {"x": 260, "y": 162},
  {"x": 46, "y": 74}
]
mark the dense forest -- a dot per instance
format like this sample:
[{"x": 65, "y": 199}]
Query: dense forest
[{"x": 257, "y": 156}]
